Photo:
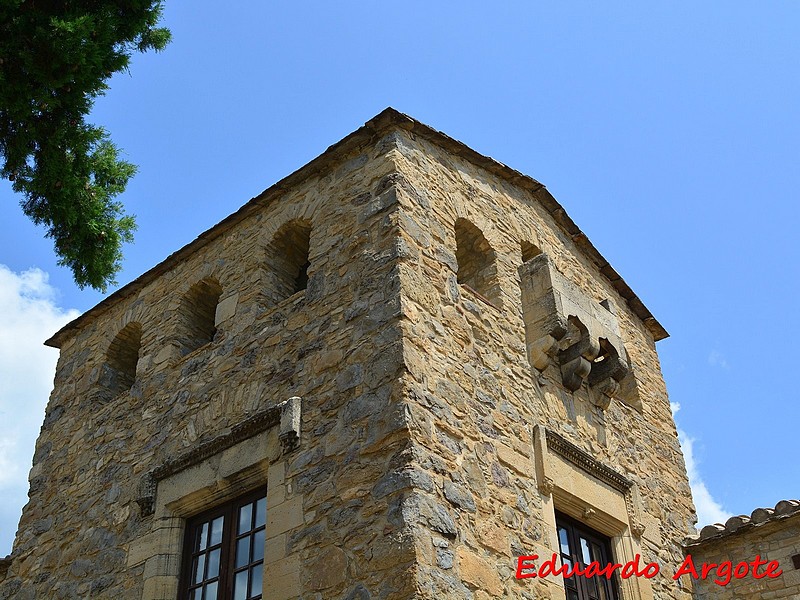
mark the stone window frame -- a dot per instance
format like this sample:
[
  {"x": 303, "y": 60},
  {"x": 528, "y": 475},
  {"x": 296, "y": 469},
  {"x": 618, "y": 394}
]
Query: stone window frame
[
  {"x": 251, "y": 455},
  {"x": 573, "y": 482},
  {"x": 226, "y": 578}
]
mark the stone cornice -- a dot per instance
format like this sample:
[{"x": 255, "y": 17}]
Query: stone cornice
[{"x": 587, "y": 462}]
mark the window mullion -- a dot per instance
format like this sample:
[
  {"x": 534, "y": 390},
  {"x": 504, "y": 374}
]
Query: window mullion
[{"x": 228, "y": 537}]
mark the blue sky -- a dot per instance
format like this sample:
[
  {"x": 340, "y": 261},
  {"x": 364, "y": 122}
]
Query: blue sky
[{"x": 670, "y": 132}]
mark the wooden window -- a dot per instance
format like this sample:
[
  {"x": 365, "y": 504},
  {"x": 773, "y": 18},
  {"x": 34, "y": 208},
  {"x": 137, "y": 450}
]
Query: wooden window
[
  {"x": 223, "y": 557},
  {"x": 579, "y": 544}
]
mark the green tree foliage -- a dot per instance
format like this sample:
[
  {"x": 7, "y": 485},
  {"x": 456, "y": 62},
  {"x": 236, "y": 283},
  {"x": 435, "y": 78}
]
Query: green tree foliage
[{"x": 55, "y": 59}]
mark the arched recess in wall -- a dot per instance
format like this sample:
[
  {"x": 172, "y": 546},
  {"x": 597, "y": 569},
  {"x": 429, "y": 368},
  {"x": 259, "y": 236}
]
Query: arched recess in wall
[
  {"x": 529, "y": 251},
  {"x": 477, "y": 261},
  {"x": 288, "y": 259},
  {"x": 197, "y": 315},
  {"x": 118, "y": 373}
]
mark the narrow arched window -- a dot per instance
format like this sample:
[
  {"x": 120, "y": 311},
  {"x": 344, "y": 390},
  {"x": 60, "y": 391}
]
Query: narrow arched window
[
  {"x": 119, "y": 369},
  {"x": 477, "y": 262},
  {"x": 288, "y": 259},
  {"x": 529, "y": 251},
  {"x": 197, "y": 315}
]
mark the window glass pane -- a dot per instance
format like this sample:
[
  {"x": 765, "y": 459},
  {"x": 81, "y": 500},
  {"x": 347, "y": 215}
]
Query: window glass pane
[
  {"x": 598, "y": 554},
  {"x": 199, "y": 565},
  {"x": 585, "y": 552},
  {"x": 202, "y": 537},
  {"x": 213, "y": 564},
  {"x": 211, "y": 591},
  {"x": 196, "y": 594},
  {"x": 258, "y": 545},
  {"x": 245, "y": 518},
  {"x": 256, "y": 574},
  {"x": 261, "y": 512},
  {"x": 240, "y": 586},
  {"x": 243, "y": 552},
  {"x": 563, "y": 541},
  {"x": 216, "y": 531}
]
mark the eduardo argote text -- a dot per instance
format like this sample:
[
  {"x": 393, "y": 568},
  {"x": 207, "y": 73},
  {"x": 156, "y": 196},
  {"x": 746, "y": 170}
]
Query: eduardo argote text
[{"x": 722, "y": 573}]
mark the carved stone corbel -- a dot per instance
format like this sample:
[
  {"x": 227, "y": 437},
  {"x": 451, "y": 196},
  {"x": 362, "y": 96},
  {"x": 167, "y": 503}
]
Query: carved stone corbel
[
  {"x": 606, "y": 373},
  {"x": 633, "y": 502},
  {"x": 576, "y": 359},
  {"x": 289, "y": 434},
  {"x": 544, "y": 482},
  {"x": 542, "y": 351}
]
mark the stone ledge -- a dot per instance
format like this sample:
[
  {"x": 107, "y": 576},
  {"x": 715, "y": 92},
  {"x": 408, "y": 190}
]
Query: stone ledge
[{"x": 587, "y": 462}]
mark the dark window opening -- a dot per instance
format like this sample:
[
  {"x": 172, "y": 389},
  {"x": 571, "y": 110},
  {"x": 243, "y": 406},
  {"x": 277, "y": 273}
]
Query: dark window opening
[
  {"x": 579, "y": 544},
  {"x": 288, "y": 259},
  {"x": 476, "y": 260},
  {"x": 223, "y": 551},
  {"x": 529, "y": 251},
  {"x": 198, "y": 314},
  {"x": 119, "y": 370}
]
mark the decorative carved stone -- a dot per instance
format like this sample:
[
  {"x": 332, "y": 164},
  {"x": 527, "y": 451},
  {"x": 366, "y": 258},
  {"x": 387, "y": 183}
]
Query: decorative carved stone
[
  {"x": 565, "y": 327},
  {"x": 543, "y": 480},
  {"x": 576, "y": 359},
  {"x": 587, "y": 462},
  {"x": 607, "y": 371},
  {"x": 146, "y": 497},
  {"x": 542, "y": 351}
]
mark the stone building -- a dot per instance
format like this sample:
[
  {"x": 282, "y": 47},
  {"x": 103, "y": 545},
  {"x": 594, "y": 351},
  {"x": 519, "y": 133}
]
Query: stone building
[
  {"x": 771, "y": 534},
  {"x": 389, "y": 375}
]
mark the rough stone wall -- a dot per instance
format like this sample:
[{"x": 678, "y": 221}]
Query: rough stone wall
[
  {"x": 475, "y": 397},
  {"x": 775, "y": 540},
  {"x": 336, "y": 344}
]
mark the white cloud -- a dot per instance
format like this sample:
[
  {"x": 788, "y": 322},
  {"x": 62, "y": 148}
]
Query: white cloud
[
  {"x": 708, "y": 510},
  {"x": 716, "y": 359},
  {"x": 30, "y": 316}
]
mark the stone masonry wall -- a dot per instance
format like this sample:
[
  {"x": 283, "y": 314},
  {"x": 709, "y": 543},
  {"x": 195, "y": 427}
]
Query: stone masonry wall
[
  {"x": 475, "y": 397},
  {"x": 336, "y": 345}
]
